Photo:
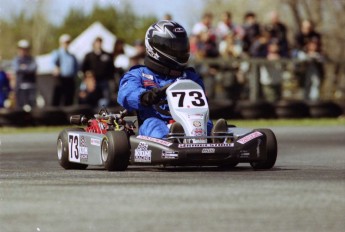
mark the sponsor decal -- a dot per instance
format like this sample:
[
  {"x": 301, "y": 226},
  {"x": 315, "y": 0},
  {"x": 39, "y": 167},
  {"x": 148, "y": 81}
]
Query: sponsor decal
[
  {"x": 155, "y": 140},
  {"x": 95, "y": 142},
  {"x": 197, "y": 123},
  {"x": 196, "y": 116},
  {"x": 148, "y": 83},
  {"x": 148, "y": 76},
  {"x": 244, "y": 154},
  {"x": 83, "y": 157},
  {"x": 208, "y": 150},
  {"x": 101, "y": 126},
  {"x": 179, "y": 30},
  {"x": 169, "y": 155},
  {"x": 83, "y": 148},
  {"x": 198, "y": 132},
  {"x": 249, "y": 137},
  {"x": 142, "y": 154},
  {"x": 196, "y": 145}
]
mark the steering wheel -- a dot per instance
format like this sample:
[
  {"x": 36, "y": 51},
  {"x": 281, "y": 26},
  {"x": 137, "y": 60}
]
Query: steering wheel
[{"x": 162, "y": 102}]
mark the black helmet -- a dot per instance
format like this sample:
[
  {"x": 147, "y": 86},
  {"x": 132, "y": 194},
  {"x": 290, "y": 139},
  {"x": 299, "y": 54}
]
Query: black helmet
[{"x": 167, "y": 48}]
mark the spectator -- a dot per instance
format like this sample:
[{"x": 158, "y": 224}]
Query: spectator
[
  {"x": 138, "y": 58},
  {"x": 205, "y": 25},
  {"x": 306, "y": 34},
  {"x": 278, "y": 31},
  {"x": 4, "y": 87},
  {"x": 121, "y": 63},
  {"x": 228, "y": 47},
  {"x": 314, "y": 72},
  {"x": 271, "y": 74},
  {"x": 121, "y": 60},
  {"x": 65, "y": 72},
  {"x": 24, "y": 66},
  {"x": 100, "y": 63},
  {"x": 206, "y": 47},
  {"x": 251, "y": 30},
  {"x": 226, "y": 26},
  {"x": 88, "y": 93},
  {"x": 259, "y": 47}
]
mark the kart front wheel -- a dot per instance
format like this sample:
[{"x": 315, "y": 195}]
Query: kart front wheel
[
  {"x": 270, "y": 148},
  {"x": 62, "y": 150},
  {"x": 115, "y": 151}
]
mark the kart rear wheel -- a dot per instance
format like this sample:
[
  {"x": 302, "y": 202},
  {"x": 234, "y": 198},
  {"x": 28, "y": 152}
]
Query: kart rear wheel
[
  {"x": 270, "y": 148},
  {"x": 62, "y": 150},
  {"x": 115, "y": 151}
]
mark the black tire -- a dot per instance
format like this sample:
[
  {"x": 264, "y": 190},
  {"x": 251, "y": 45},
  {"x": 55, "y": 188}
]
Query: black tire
[
  {"x": 62, "y": 150},
  {"x": 256, "y": 110},
  {"x": 50, "y": 116},
  {"x": 291, "y": 109},
  {"x": 325, "y": 109},
  {"x": 270, "y": 148},
  {"x": 221, "y": 109},
  {"x": 115, "y": 151}
]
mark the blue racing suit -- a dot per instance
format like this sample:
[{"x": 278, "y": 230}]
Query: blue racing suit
[{"x": 140, "y": 79}]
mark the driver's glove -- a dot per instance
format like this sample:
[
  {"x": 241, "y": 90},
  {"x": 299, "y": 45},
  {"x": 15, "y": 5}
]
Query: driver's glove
[{"x": 151, "y": 97}]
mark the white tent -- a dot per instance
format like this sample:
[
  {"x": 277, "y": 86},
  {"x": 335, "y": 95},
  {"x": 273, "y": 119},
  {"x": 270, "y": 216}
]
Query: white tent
[{"x": 82, "y": 44}]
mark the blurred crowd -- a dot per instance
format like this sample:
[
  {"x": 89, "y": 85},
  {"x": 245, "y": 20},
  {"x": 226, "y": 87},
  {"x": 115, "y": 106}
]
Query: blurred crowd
[
  {"x": 100, "y": 71},
  {"x": 249, "y": 40}
]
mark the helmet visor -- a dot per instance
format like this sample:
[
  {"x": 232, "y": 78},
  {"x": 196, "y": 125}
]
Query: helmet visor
[{"x": 178, "y": 48}]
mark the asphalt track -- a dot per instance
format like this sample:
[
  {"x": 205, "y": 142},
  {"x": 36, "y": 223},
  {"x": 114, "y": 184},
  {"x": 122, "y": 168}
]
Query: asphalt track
[{"x": 304, "y": 192}]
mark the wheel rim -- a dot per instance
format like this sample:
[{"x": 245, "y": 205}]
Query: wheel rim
[
  {"x": 59, "y": 149},
  {"x": 104, "y": 150}
]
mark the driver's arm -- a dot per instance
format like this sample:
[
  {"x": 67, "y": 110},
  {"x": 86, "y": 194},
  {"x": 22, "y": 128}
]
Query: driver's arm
[{"x": 130, "y": 91}]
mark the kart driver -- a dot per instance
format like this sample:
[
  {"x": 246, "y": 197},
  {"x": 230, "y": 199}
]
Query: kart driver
[{"x": 167, "y": 54}]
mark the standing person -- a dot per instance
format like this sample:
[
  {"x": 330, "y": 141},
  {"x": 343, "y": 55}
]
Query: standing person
[
  {"x": 88, "y": 94},
  {"x": 65, "y": 72},
  {"x": 251, "y": 30},
  {"x": 271, "y": 74},
  {"x": 313, "y": 75},
  {"x": 100, "y": 63},
  {"x": 306, "y": 34},
  {"x": 206, "y": 47},
  {"x": 278, "y": 32},
  {"x": 24, "y": 66},
  {"x": 226, "y": 27},
  {"x": 167, "y": 49}
]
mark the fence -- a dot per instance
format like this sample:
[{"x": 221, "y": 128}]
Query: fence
[
  {"x": 293, "y": 74},
  {"x": 236, "y": 89}
]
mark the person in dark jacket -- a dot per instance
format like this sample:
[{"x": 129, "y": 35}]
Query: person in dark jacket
[
  {"x": 24, "y": 66},
  {"x": 100, "y": 63},
  {"x": 5, "y": 87}
]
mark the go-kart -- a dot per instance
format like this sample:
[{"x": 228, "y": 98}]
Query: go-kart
[{"x": 111, "y": 140}]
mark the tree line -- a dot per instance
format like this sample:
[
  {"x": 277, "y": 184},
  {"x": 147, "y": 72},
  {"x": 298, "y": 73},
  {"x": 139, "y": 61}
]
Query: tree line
[{"x": 43, "y": 35}]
